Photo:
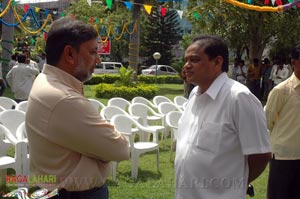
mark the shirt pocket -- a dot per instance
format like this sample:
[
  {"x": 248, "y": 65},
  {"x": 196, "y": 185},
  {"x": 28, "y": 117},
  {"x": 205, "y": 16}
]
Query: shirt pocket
[{"x": 208, "y": 137}]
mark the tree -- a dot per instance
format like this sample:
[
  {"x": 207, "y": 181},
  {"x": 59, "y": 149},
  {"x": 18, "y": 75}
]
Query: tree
[
  {"x": 242, "y": 28},
  {"x": 106, "y": 21},
  {"x": 161, "y": 34}
]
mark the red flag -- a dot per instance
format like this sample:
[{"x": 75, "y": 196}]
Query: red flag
[
  {"x": 26, "y": 7},
  {"x": 163, "y": 11},
  {"x": 279, "y": 2},
  {"x": 267, "y": 2}
]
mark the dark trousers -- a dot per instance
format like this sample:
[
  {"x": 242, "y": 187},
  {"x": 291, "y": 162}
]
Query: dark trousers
[
  {"x": 95, "y": 193},
  {"x": 284, "y": 179},
  {"x": 2, "y": 86}
]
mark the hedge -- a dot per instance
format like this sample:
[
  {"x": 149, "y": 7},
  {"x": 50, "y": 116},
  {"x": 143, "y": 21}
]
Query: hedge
[
  {"x": 146, "y": 79},
  {"x": 109, "y": 90}
]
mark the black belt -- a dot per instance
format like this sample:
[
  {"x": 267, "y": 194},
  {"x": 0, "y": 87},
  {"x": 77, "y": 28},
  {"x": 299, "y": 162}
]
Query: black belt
[{"x": 64, "y": 194}]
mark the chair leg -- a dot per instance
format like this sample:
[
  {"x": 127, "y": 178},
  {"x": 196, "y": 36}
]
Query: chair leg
[
  {"x": 157, "y": 160},
  {"x": 135, "y": 163},
  {"x": 114, "y": 166}
]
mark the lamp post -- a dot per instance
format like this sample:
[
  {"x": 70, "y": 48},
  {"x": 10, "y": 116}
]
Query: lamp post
[{"x": 156, "y": 56}]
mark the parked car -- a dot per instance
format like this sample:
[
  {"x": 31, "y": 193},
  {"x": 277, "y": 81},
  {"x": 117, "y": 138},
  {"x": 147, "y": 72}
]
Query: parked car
[
  {"x": 161, "y": 70},
  {"x": 108, "y": 67}
]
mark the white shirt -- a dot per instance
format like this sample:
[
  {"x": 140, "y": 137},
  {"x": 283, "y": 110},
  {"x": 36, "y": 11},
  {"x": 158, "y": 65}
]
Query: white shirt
[
  {"x": 279, "y": 75},
  {"x": 239, "y": 71},
  {"x": 217, "y": 131},
  {"x": 20, "y": 78}
]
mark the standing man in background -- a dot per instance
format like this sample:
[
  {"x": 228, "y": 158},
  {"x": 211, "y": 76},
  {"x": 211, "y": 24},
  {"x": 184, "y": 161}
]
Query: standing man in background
[
  {"x": 66, "y": 135},
  {"x": 282, "y": 112},
  {"x": 222, "y": 141}
]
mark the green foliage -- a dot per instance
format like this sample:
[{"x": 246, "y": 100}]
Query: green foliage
[
  {"x": 126, "y": 76},
  {"x": 108, "y": 91},
  {"x": 103, "y": 78},
  {"x": 160, "y": 34},
  {"x": 161, "y": 79}
]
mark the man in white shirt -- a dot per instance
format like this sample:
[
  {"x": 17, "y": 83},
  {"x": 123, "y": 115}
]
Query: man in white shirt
[
  {"x": 222, "y": 141},
  {"x": 20, "y": 78},
  {"x": 2, "y": 83},
  {"x": 29, "y": 60}
]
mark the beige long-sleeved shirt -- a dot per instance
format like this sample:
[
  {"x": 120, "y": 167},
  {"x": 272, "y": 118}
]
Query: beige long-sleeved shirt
[
  {"x": 67, "y": 137},
  {"x": 282, "y": 113}
]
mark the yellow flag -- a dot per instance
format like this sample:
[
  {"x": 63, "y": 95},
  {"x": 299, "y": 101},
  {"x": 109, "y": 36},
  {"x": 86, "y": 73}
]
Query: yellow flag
[{"x": 148, "y": 8}]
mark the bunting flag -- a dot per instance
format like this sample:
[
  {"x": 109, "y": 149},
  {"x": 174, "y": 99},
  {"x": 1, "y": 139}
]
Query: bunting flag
[
  {"x": 148, "y": 8},
  {"x": 180, "y": 13},
  {"x": 26, "y": 7},
  {"x": 249, "y": 1},
  {"x": 163, "y": 11},
  {"x": 128, "y": 5},
  {"x": 36, "y": 9},
  {"x": 73, "y": 16},
  {"x": 89, "y": 2},
  {"x": 279, "y": 2},
  {"x": 267, "y": 2},
  {"x": 196, "y": 15},
  {"x": 273, "y": 2},
  {"x": 109, "y": 4}
]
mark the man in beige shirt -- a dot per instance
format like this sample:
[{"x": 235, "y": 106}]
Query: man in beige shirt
[
  {"x": 69, "y": 142},
  {"x": 282, "y": 112}
]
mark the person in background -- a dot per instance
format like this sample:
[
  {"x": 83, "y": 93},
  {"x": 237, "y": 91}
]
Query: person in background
[
  {"x": 253, "y": 77},
  {"x": 66, "y": 135},
  {"x": 234, "y": 68},
  {"x": 20, "y": 78},
  {"x": 222, "y": 134},
  {"x": 282, "y": 113},
  {"x": 2, "y": 83},
  {"x": 13, "y": 60},
  {"x": 266, "y": 79},
  {"x": 42, "y": 61},
  {"x": 241, "y": 72},
  {"x": 29, "y": 60},
  {"x": 280, "y": 74}
]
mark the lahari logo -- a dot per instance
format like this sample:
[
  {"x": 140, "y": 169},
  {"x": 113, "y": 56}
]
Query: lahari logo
[{"x": 45, "y": 179}]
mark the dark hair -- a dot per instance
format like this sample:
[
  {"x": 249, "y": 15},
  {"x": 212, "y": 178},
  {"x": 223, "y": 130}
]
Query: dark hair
[
  {"x": 295, "y": 53},
  {"x": 21, "y": 58},
  {"x": 66, "y": 31},
  {"x": 266, "y": 61},
  {"x": 214, "y": 46}
]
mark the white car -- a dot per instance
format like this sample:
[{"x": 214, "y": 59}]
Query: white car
[
  {"x": 108, "y": 67},
  {"x": 161, "y": 70}
]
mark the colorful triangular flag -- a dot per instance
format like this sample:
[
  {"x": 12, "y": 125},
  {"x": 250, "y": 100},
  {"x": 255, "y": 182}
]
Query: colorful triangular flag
[
  {"x": 128, "y": 5},
  {"x": 148, "y": 8}
]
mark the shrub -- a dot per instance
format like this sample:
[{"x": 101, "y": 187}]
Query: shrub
[
  {"x": 103, "y": 78},
  {"x": 108, "y": 91},
  {"x": 161, "y": 79}
]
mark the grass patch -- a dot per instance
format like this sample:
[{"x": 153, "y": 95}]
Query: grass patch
[{"x": 152, "y": 184}]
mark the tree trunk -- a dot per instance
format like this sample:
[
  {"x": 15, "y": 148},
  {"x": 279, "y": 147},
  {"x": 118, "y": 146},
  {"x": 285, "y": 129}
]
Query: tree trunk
[
  {"x": 134, "y": 43},
  {"x": 7, "y": 39}
]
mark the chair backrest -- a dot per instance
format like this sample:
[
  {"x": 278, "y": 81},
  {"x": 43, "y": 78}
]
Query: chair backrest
[
  {"x": 159, "y": 99},
  {"x": 109, "y": 111},
  {"x": 119, "y": 102},
  {"x": 2, "y": 108},
  {"x": 22, "y": 106},
  {"x": 7, "y": 103},
  {"x": 141, "y": 111},
  {"x": 97, "y": 104},
  {"x": 6, "y": 133},
  {"x": 142, "y": 100},
  {"x": 166, "y": 107},
  {"x": 172, "y": 118},
  {"x": 180, "y": 100},
  {"x": 21, "y": 133},
  {"x": 11, "y": 119}
]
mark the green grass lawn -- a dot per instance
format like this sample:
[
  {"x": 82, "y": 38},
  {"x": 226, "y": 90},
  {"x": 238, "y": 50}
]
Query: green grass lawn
[{"x": 153, "y": 184}]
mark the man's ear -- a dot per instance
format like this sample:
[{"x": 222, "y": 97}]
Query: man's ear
[
  {"x": 219, "y": 61},
  {"x": 69, "y": 54}
]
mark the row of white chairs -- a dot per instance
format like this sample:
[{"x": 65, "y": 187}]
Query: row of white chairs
[
  {"x": 13, "y": 134},
  {"x": 8, "y": 103}
]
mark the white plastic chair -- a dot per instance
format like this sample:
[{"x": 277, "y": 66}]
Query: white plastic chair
[
  {"x": 145, "y": 115},
  {"x": 172, "y": 119},
  {"x": 163, "y": 109},
  {"x": 2, "y": 108},
  {"x": 124, "y": 123},
  {"x": 22, "y": 106},
  {"x": 7, "y": 103},
  {"x": 119, "y": 102},
  {"x": 11, "y": 119},
  {"x": 143, "y": 101},
  {"x": 97, "y": 104},
  {"x": 179, "y": 101},
  {"x": 19, "y": 162},
  {"x": 159, "y": 99}
]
